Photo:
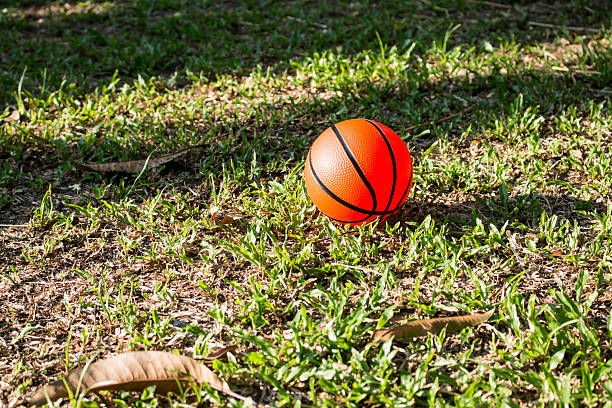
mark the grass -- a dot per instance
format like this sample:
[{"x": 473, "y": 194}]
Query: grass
[{"x": 510, "y": 207}]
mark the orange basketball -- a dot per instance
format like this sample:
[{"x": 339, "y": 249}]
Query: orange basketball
[{"x": 358, "y": 170}]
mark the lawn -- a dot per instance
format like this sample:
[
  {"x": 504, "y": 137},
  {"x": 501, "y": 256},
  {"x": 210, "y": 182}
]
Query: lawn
[{"x": 221, "y": 256}]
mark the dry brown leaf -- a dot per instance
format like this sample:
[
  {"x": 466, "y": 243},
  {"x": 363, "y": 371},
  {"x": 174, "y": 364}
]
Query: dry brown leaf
[
  {"x": 12, "y": 117},
  {"x": 131, "y": 166},
  {"x": 220, "y": 353},
  {"x": 134, "y": 371},
  {"x": 227, "y": 220},
  {"x": 423, "y": 327},
  {"x": 556, "y": 254},
  {"x": 216, "y": 216}
]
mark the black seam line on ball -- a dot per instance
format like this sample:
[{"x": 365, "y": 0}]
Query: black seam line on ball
[
  {"x": 338, "y": 199},
  {"x": 349, "y": 222},
  {"x": 356, "y": 165},
  {"x": 392, "y": 161},
  {"x": 399, "y": 204}
]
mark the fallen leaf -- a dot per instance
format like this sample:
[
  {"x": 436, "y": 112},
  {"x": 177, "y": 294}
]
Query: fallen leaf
[
  {"x": 423, "y": 327},
  {"x": 556, "y": 254},
  {"x": 134, "y": 371},
  {"x": 14, "y": 116},
  {"x": 227, "y": 220},
  {"x": 215, "y": 215},
  {"x": 220, "y": 353},
  {"x": 131, "y": 166}
]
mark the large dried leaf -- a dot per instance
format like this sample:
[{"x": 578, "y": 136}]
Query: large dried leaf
[
  {"x": 423, "y": 327},
  {"x": 134, "y": 371},
  {"x": 131, "y": 166}
]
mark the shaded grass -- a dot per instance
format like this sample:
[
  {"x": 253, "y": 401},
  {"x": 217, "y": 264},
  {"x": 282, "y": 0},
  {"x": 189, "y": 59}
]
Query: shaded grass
[{"x": 83, "y": 45}]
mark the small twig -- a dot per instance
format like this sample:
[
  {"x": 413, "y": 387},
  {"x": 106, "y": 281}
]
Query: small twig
[
  {"x": 444, "y": 119},
  {"x": 490, "y": 3},
  {"x": 319, "y": 25},
  {"x": 569, "y": 28},
  {"x": 576, "y": 71},
  {"x": 602, "y": 91},
  {"x": 357, "y": 267},
  {"x": 14, "y": 225},
  {"x": 549, "y": 55}
]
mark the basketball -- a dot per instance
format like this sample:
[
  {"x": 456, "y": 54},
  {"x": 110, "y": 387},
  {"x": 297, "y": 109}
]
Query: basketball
[{"x": 358, "y": 170}]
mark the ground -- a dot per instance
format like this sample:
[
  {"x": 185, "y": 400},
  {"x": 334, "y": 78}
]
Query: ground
[{"x": 505, "y": 108}]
